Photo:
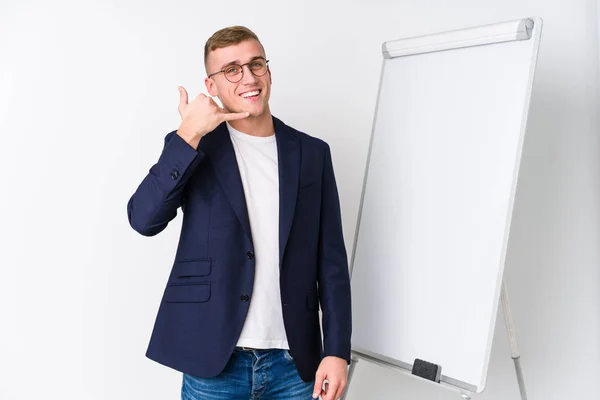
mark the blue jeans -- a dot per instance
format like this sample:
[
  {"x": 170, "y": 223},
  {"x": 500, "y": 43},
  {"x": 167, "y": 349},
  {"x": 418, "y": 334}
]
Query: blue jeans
[{"x": 251, "y": 374}]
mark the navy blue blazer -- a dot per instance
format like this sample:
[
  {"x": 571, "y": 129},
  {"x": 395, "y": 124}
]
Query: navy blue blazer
[{"x": 209, "y": 289}]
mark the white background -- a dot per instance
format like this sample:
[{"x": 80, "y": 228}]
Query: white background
[{"x": 88, "y": 90}]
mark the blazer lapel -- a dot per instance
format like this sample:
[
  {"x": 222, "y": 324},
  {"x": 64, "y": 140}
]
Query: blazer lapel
[
  {"x": 219, "y": 149},
  {"x": 288, "y": 153}
]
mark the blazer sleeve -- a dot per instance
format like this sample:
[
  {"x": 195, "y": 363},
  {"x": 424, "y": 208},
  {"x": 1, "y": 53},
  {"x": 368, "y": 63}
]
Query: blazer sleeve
[
  {"x": 333, "y": 275},
  {"x": 154, "y": 203}
]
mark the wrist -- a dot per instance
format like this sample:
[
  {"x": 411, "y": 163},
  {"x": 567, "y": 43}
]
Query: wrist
[{"x": 191, "y": 138}]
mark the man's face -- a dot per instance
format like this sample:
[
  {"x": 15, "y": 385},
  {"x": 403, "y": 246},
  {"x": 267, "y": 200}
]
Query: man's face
[{"x": 251, "y": 93}]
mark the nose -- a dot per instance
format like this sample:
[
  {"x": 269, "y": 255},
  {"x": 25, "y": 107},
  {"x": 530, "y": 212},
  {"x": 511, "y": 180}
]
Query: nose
[{"x": 248, "y": 77}]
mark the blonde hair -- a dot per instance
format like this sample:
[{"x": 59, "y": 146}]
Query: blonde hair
[{"x": 226, "y": 37}]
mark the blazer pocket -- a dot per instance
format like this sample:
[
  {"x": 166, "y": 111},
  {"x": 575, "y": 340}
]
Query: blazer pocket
[
  {"x": 191, "y": 268},
  {"x": 187, "y": 293},
  {"x": 307, "y": 185}
]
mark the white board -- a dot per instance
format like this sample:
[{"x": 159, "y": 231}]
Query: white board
[{"x": 441, "y": 177}]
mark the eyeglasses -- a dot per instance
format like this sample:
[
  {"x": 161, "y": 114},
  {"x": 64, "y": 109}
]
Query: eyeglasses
[{"x": 235, "y": 72}]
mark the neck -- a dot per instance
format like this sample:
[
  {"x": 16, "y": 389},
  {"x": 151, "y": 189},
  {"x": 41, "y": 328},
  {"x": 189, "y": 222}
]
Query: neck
[{"x": 261, "y": 125}]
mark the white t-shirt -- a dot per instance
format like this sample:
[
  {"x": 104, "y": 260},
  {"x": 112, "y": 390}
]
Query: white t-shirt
[{"x": 257, "y": 162}]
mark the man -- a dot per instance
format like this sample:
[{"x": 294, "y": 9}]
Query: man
[{"x": 261, "y": 243}]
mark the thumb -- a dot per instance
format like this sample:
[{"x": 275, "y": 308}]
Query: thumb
[
  {"x": 318, "y": 385},
  {"x": 183, "y": 96}
]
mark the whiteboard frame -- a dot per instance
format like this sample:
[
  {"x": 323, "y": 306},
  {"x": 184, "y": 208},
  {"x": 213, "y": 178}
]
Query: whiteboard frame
[{"x": 524, "y": 29}]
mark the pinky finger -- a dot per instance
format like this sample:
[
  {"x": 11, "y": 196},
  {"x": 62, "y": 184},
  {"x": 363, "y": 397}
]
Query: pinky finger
[{"x": 234, "y": 116}]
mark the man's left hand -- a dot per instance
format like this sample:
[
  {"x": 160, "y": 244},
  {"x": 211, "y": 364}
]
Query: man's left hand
[{"x": 335, "y": 370}]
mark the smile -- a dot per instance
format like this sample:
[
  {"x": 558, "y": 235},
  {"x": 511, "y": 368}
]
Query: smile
[{"x": 250, "y": 94}]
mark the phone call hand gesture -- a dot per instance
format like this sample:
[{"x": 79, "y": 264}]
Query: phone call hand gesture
[{"x": 201, "y": 116}]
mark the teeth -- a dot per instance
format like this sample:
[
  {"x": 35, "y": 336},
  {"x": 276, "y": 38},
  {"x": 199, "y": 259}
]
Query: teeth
[{"x": 248, "y": 94}]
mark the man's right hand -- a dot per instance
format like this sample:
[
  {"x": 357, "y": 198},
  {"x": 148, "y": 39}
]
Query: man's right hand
[{"x": 200, "y": 117}]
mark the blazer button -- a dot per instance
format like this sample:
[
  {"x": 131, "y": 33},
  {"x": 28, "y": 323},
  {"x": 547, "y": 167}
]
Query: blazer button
[
  {"x": 175, "y": 174},
  {"x": 244, "y": 297},
  {"x": 249, "y": 255}
]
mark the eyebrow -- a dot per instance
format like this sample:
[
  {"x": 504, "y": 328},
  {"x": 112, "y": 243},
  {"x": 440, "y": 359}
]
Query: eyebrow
[{"x": 238, "y": 61}]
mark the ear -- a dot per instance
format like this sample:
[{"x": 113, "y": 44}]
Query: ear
[
  {"x": 270, "y": 76},
  {"x": 211, "y": 87}
]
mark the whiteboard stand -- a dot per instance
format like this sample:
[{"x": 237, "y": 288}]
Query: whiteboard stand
[
  {"x": 466, "y": 395},
  {"x": 441, "y": 173},
  {"x": 514, "y": 350}
]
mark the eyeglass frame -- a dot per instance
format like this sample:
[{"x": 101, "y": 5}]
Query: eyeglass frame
[{"x": 242, "y": 69}]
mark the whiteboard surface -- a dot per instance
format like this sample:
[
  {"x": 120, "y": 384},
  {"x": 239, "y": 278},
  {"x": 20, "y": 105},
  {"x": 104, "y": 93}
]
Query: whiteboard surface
[{"x": 437, "y": 201}]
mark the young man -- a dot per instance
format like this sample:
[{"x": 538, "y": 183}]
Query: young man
[{"x": 261, "y": 244}]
